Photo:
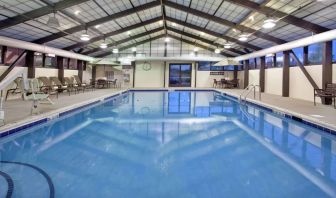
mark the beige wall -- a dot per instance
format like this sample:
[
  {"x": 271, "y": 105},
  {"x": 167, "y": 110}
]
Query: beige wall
[
  {"x": 273, "y": 81},
  {"x": 151, "y": 78},
  {"x": 45, "y": 72},
  {"x": 254, "y": 77},
  {"x": 299, "y": 85},
  {"x": 240, "y": 76},
  {"x": 334, "y": 73}
]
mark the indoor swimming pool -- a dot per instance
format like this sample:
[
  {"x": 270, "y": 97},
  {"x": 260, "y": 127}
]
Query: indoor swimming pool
[{"x": 169, "y": 144}]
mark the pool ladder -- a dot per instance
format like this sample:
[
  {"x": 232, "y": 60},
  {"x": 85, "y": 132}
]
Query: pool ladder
[{"x": 247, "y": 91}]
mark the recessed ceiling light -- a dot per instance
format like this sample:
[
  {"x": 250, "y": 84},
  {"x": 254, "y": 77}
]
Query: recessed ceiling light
[
  {"x": 97, "y": 26},
  {"x": 77, "y": 12},
  {"x": 202, "y": 33},
  {"x": 161, "y": 22},
  {"x": 196, "y": 49},
  {"x": 167, "y": 39},
  {"x": 129, "y": 32},
  {"x": 269, "y": 23},
  {"x": 134, "y": 49},
  {"x": 217, "y": 51},
  {"x": 174, "y": 24}
]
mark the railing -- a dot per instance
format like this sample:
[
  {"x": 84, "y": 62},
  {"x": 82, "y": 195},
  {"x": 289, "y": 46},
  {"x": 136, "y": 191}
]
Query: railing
[{"x": 247, "y": 92}]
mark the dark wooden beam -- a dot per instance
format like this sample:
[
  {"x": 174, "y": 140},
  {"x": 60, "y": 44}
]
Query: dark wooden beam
[
  {"x": 97, "y": 22},
  {"x": 133, "y": 67},
  {"x": 285, "y": 74},
  {"x": 293, "y": 20},
  {"x": 132, "y": 45},
  {"x": 246, "y": 73},
  {"x": 198, "y": 45},
  {"x": 262, "y": 74},
  {"x": 80, "y": 65},
  {"x": 224, "y": 22},
  {"x": 94, "y": 73},
  {"x": 204, "y": 40},
  {"x": 305, "y": 55},
  {"x": 60, "y": 67},
  {"x": 326, "y": 67},
  {"x": 38, "y": 13},
  {"x": 30, "y": 64},
  {"x": 120, "y": 31},
  {"x": 125, "y": 40},
  {"x": 303, "y": 69},
  {"x": 212, "y": 33}
]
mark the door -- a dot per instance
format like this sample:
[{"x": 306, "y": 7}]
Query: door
[{"x": 179, "y": 75}]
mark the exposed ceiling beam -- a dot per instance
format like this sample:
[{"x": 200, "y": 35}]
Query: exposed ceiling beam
[
  {"x": 212, "y": 33},
  {"x": 209, "y": 42},
  {"x": 120, "y": 31},
  {"x": 280, "y": 15},
  {"x": 126, "y": 40},
  {"x": 132, "y": 45},
  {"x": 97, "y": 22},
  {"x": 38, "y": 13},
  {"x": 198, "y": 45},
  {"x": 224, "y": 22}
]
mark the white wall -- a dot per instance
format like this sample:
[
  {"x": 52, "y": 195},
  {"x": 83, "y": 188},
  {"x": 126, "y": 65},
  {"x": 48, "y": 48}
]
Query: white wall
[
  {"x": 334, "y": 73},
  {"x": 240, "y": 77},
  {"x": 70, "y": 73},
  {"x": 273, "y": 81},
  {"x": 151, "y": 78},
  {"x": 299, "y": 85},
  {"x": 48, "y": 72},
  {"x": 254, "y": 77}
]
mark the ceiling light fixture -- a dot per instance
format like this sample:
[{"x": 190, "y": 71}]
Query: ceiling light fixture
[
  {"x": 161, "y": 22},
  {"x": 53, "y": 21},
  {"x": 103, "y": 45},
  {"x": 269, "y": 23},
  {"x": 217, "y": 51},
  {"x": 167, "y": 39},
  {"x": 243, "y": 37},
  {"x": 202, "y": 33},
  {"x": 174, "y": 24},
  {"x": 134, "y": 49},
  {"x": 85, "y": 36},
  {"x": 129, "y": 33},
  {"x": 115, "y": 50},
  {"x": 196, "y": 49},
  {"x": 77, "y": 12},
  {"x": 227, "y": 45},
  {"x": 97, "y": 26}
]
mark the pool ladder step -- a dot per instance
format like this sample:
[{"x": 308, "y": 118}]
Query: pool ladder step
[{"x": 247, "y": 91}]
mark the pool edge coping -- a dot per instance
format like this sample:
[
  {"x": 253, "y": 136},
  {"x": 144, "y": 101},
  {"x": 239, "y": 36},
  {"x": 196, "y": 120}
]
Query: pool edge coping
[
  {"x": 21, "y": 125},
  {"x": 48, "y": 116}
]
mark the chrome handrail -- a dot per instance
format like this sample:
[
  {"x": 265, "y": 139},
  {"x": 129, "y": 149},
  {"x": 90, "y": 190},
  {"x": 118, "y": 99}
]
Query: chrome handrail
[{"x": 245, "y": 94}]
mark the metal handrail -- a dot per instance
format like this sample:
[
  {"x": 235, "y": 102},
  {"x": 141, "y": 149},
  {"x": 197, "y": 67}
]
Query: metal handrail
[{"x": 245, "y": 94}]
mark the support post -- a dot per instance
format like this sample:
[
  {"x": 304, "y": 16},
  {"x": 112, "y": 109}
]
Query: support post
[
  {"x": 60, "y": 67},
  {"x": 262, "y": 74},
  {"x": 326, "y": 68},
  {"x": 94, "y": 73},
  {"x": 30, "y": 64},
  {"x": 133, "y": 67},
  {"x": 285, "y": 74},
  {"x": 246, "y": 73},
  {"x": 80, "y": 69},
  {"x": 305, "y": 55}
]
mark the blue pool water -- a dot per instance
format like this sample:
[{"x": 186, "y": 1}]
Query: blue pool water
[{"x": 169, "y": 144}]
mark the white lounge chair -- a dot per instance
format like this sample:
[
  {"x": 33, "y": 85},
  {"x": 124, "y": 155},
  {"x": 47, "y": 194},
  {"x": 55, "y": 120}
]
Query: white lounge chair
[{"x": 31, "y": 92}]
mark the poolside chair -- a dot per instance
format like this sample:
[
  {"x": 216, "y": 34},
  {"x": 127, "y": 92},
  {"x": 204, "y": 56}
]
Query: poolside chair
[
  {"x": 61, "y": 88},
  {"x": 114, "y": 83},
  {"x": 102, "y": 83},
  {"x": 70, "y": 83},
  {"x": 47, "y": 86},
  {"x": 216, "y": 83},
  {"x": 16, "y": 89},
  {"x": 329, "y": 92},
  {"x": 31, "y": 92},
  {"x": 81, "y": 84}
]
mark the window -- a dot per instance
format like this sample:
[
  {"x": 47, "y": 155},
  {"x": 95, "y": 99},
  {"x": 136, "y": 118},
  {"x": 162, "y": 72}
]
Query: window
[
  {"x": 204, "y": 66},
  {"x": 334, "y": 51},
  {"x": 258, "y": 63},
  {"x": 180, "y": 75},
  {"x": 12, "y": 54},
  {"x": 50, "y": 61},
  {"x": 279, "y": 59},
  {"x": 269, "y": 61},
  {"x": 299, "y": 53},
  {"x": 38, "y": 59},
  {"x": 1, "y": 51},
  {"x": 252, "y": 63},
  {"x": 216, "y": 68},
  {"x": 72, "y": 64},
  {"x": 315, "y": 54}
]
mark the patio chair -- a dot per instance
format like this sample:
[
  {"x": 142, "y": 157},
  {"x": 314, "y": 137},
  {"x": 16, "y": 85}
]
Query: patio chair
[
  {"x": 233, "y": 83},
  {"x": 61, "y": 87},
  {"x": 329, "y": 92},
  {"x": 223, "y": 83},
  {"x": 32, "y": 92},
  {"x": 47, "y": 86},
  {"x": 102, "y": 83},
  {"x": 81, "y": 84},
  {"x": 70, "y": 83},
  {"x": 16, "y": 89},
  {"x": 114, "y": 83},
  {"x": 216, "y": 83}
]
